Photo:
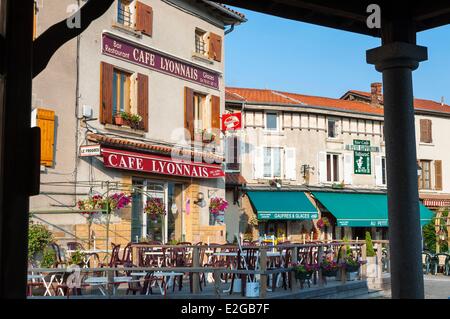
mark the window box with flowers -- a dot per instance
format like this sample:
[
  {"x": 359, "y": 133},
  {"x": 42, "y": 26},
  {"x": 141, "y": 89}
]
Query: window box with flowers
[
  {"x": 155, "y": 209},
  {"x": 134, "y": 121},
  {"x": 217, "y": 207}
]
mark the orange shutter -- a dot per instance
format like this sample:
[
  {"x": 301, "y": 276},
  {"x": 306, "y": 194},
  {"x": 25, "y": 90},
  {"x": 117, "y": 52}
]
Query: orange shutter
[
  {"x": 46, "y": 122},
  {"x": 143, "y": 99},
  {"x": 144, "y": 18},
  {"x": 106, "y": 92},
  {"x": 215, "y": 112},
  {"x": 438, "y": 175},
  {"x": 189, "y": 112},
  {"x": 215, "y": 47}
]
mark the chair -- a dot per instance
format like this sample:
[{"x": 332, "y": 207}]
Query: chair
[
  {"x": 59, "y": 256},
  {"x": 426, "y": 262},
  {"x": 73, "y": 245},
  {"x": 245, "y": 260}
]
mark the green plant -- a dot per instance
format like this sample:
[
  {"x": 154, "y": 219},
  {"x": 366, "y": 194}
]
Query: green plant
[
  {"x": 48, "y": 258},
  {"x": 370, "y": 252},
  {"x": 429, "y": 236},
  {"x": 77, "y": 258},
  {"x": 39, "y": 237}
]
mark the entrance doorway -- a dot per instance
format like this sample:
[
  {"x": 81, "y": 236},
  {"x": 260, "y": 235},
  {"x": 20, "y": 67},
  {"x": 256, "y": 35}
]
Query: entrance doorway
[{"x": 163, "y": 228}]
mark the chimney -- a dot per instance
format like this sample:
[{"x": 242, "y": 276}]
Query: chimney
[
  {"x": 442, "y": 101},
  {"x": 376, "y": 94}
]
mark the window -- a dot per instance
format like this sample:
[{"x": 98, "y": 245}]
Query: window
[
  {"x": 272, "y": 162},
  {"x": 332, "y": 168},
  {"x": 124, "y": 13},
  {"x": 425, "y": 176},
  {"x": 383, "y": 170},
  {"x": 272, "y": 121},
  {"x": 201, "y": 118},
  {"x": 200, "y": 43},
  {"x": 233, "y": 144},
  {"x": 425, "y": 131},
  {"x": 121, "y": 92},
  {"x": 332, "y": 128}
]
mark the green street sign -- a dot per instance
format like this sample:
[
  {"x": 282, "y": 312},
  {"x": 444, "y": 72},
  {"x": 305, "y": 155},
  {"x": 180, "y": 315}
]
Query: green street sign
[{"x": 362, "y": 157}]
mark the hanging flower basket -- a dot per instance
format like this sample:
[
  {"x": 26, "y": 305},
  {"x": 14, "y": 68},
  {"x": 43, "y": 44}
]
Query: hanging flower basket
[
  {"x": 322, "y": 223},
  {"x": 154, "y": 208},
  {"x": 217, "y": 205},
  {"x": 329, "y": 268},
  {"x": 304, "y": 272},
  {"x": 91, "y": 206}
]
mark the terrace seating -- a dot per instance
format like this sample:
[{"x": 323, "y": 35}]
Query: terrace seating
[
  {"x": 440, "y": 263},
  {"x": 426, "y": 262},
  {"x": 73, "y": 245}
]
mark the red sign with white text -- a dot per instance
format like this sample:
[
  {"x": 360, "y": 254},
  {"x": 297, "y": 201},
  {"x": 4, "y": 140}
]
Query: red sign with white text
[
  {"x": 231, "y": 122},
  {"x": 159, "y": 165}
]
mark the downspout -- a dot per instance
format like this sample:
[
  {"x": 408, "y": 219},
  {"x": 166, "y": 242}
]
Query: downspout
[
  {"x": 77, "y": 108},
  {"x": 230, "y": 29}
]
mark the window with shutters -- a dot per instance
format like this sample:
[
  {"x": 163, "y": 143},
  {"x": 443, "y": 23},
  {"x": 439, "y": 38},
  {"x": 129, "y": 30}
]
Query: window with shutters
[
  {"x": 272, "y": 162},
  {"x": 201, "y": 115},
  {"x": 332, "y": 128},
  {"x": 425, "y": 174},
  {"x": 272, "y": 121},
  {"x": 135, "y": 15},
  {"x": 426, "y": 131},
  {"x": 124, "y": 98},
  {"x": 332, "y": 167},
  {"x": 208, "y": 45}
]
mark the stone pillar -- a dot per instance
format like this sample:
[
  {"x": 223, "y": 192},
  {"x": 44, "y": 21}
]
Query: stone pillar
[{"x": 397, "y": 60}]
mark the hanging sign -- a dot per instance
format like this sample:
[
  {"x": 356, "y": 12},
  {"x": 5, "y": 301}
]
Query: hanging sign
[
  {"x": 231, "y": 122},
  {"x": 90, "y": 150},
  {"x": 362, "y": 157},
  {"x": 159, "y": 165},
  {"x": 161, "y": 62}
]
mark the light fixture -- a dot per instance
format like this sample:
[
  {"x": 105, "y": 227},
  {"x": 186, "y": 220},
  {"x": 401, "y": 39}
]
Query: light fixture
[
  {"x": 200, "y": 199},
  {"x": 174, "y": 209}
]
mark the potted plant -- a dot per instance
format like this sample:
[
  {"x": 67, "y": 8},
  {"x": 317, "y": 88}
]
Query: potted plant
[
  {"x": 39, "y": 237},
  {"x": 304, "y": 271},
  {"x": 329, "y": 268},
  {"x": 155, "y": 208},
  {"x": 135, "y": 121},
  {"x": 77, "y": 258},
  {"x": 276, "y": 182},
  {"x": 351, "y": 266},
  {"x": 208, "y": 137},
  {"x": 372, "y": 269},
  {"x": 118, "y": 119},
  {"x": 217, "y": 208},
  {"x": 322, "y": 223}
]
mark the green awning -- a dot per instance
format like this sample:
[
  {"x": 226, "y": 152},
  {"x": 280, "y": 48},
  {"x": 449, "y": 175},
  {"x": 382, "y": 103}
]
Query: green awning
[
  {"x": 362, "y": 210},
  {"x": 282, "y": 205}
]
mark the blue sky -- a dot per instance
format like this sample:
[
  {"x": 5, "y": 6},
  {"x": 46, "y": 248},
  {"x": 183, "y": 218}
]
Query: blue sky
[{"x": 275, "y": 53}]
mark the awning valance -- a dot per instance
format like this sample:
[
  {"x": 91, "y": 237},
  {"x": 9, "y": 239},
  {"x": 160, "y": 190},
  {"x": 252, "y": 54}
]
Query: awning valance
[
  {"x": 362, "y": 210},
  {"x": 279, "y": 205}
]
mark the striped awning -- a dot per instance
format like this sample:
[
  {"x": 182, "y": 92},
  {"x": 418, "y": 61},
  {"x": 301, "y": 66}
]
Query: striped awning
[{"x": 433, "y": 202}]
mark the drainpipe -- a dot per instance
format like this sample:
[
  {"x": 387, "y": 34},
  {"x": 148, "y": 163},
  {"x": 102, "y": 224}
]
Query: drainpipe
[{"x": 230, "y": 29}]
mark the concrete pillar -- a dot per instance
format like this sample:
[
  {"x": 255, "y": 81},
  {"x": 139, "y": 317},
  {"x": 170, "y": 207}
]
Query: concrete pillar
[{"x": 397, "y": 60}]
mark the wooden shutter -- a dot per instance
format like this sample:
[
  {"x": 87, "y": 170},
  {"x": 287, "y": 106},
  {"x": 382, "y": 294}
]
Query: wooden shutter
[
  {"x": 46, "y": 122},
  {"x": 215, "y": 112},
  {"x": 438, "y": 175},
  {"x": 215, "y": 47},
  {"x": 378, "y": 170},
  {"x": 348, "y": 168},
  {"x": 142, "y": 107},
  {"x": 425, "y": 131},
  {"x": 106, "y": 92},
  {"x": 322, "y": 159},
  {"x": 189, "y": 112},
  {"x": 144, "y": 18}
]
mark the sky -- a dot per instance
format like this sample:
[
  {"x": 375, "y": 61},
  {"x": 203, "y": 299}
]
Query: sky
[{"x": 268, "y": 52}]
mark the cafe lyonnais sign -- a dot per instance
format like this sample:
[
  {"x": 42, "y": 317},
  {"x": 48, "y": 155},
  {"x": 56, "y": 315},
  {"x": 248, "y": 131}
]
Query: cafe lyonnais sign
[
  {"x": 152, "y": 59},
  {"x": 158, "y": 165}
]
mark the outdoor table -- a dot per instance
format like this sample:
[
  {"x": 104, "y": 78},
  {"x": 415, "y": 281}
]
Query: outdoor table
[
  {"x": 53, "y": 278},
  {"x": 101, "y": 282},
  {"x": 167, "y": 284}
]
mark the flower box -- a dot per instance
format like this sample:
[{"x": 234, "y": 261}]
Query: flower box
[{"x": 118, "y": 120}]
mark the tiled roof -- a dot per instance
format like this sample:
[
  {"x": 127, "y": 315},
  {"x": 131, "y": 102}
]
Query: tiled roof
[
  {"x": 226, "y": 9},
  {"x": 293, "y": 99},
  {"x": 419, "y": 104},
  {"x": 146, "y": 147},
  {"x": 235, "y": 179}
]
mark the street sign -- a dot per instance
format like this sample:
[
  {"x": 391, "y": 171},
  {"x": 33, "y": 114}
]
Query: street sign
[
  {"x": 362, "y": 157},
  {"x": 231, "y": 122},
  {"x": 90, "y": 150}
]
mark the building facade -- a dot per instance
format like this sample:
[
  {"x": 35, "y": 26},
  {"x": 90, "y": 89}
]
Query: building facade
[
  {"x": 331, "y": 151},
  {"x": 133, "y": 106}
]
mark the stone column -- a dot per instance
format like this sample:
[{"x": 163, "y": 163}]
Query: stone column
[{"x": 396, "y": 61}]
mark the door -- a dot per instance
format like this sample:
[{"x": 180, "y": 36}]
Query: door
[
  {"x": 175, "y": 216},
  {"x": 155, "y": 229}
]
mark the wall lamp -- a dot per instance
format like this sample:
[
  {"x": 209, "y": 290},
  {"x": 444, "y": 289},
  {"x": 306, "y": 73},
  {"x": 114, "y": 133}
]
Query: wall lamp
[{"x": 200, "y": 199}]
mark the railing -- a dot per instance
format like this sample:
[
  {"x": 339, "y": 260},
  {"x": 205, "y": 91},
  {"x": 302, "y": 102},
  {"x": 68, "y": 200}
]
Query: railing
[{"x": 305, "y": 253}]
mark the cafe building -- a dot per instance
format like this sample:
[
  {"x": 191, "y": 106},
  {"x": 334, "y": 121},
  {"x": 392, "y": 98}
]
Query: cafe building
[
  {"x": 134, "y": 105},
  {"x": 314, "y": 167}
]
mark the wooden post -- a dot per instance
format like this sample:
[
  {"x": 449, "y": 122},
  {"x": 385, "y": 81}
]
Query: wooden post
[
  {"x": 263, "y": 268},
  {"x": 343, "y": 269},
  {"x": 388, "y": 261},
  {"x": 135, "y": 255},
  {"x": 196, "y": 265},
  {"x": 379, "y": 260},
  {"x": 110, "y": 286},
  {"x": 319, "y": 260},
  {"x": 292, "y": 273},
  {"x": 217, "y": 283},
  {"x": 363, "y": 273}
]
